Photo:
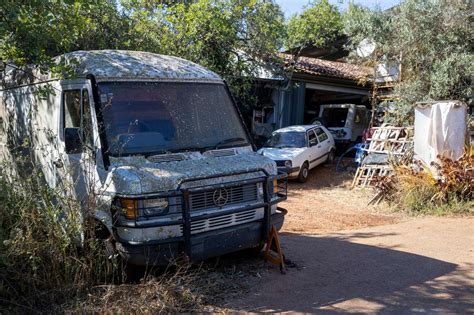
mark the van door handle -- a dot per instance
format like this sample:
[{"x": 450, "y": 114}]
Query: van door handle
[
  {"x": 319, "y": 146},
  {"x": 58, "y": 163}
]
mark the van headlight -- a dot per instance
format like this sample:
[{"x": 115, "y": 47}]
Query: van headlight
[
  {"x": 152, "y": 207},
  {"x": 133, "y": 208},
  {"x": 288, "y": 164}
]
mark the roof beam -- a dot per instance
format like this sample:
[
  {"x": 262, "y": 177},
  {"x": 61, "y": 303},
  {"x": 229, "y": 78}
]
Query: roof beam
[{"x": 334, "y": 88}]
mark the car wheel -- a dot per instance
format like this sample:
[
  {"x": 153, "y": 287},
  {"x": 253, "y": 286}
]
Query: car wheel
[
  {"x": 331, "y": 156},
  {"x": 304, "y": 173}
]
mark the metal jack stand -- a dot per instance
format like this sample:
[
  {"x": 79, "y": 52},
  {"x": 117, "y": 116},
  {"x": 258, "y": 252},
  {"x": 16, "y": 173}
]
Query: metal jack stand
[{"x": 273, "y": 245}]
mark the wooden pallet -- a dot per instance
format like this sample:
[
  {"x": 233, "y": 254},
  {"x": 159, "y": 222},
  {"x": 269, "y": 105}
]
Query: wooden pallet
[
  {"x": 366, "y": 174},
  {"x": 390, "y": 140}
]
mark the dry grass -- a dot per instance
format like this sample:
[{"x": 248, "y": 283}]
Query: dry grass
[
  {"x": 181, "y": 288},
  {"x": 416, "y": 189},
  {"x": 42, "y": 268}
]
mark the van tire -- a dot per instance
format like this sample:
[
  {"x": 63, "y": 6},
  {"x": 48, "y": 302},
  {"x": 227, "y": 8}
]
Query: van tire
[
  {"x": 304, "y": 173},
  {"x": 132, "y": 273}
]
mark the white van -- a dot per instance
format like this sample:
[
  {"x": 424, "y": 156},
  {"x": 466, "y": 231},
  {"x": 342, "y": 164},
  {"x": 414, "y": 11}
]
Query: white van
[
  {"x": 346, "y": 122},
  {"x": 158, "y": 144}
]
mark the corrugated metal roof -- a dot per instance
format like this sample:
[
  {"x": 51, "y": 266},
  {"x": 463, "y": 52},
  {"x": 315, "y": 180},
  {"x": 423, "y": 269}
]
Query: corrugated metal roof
[
  {"x": 125, "y": 64},
  {"x": 328, "y": 68}
]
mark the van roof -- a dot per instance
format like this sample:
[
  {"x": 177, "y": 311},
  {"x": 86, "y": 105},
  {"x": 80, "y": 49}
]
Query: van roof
[{"x": 124, "y": 64}]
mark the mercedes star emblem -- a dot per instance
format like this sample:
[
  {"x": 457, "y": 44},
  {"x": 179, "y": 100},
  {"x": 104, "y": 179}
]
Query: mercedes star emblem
[{"x": 220, "y": 197}]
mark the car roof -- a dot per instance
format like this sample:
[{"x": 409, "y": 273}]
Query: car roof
[{"x": 297, "y": 128}]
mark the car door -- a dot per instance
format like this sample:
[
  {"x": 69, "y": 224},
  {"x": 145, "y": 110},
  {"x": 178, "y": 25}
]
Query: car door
[
  {"x": 313, "y": 148},
  {"x": 325, "y": 144}
]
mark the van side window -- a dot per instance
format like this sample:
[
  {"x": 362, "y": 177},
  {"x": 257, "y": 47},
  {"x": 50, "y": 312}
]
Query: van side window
[
  {"x": 87, "y": 120},
  {"x": 2, "y": 117},
  {"x": 312, "y": 138},
  {"x": 359, "y": 116},
  {"x": 72, "y": 109},
  {"x": 321, "y": 135},
  {"x": 77, "y": 114}
]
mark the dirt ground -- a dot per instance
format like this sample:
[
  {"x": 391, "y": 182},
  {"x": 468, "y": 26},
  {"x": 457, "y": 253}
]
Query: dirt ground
[
  {"x": 421, "y": 265},
  {"x": 326, "y": 203},
  {"x": 350, "y": 257}
]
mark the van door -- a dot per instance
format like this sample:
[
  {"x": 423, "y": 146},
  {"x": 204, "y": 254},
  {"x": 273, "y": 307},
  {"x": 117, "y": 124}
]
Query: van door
[
  {"x": 360, "y": 123},
  {"x": 76, "y": 169}
]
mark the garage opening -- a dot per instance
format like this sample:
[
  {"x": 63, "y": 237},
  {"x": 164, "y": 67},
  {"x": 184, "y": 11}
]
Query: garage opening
[{"x": 317, "y": 95}]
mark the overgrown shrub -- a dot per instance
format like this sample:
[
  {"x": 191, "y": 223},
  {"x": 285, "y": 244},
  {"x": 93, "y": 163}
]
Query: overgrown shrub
[
  {"x": 418, "y": 190},
  {"x": 50, "y": 262},
  {"x": 46, "y": 257}
]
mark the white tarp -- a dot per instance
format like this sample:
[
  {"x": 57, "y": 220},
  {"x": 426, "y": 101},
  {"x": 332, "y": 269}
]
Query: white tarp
[{"x": 440, "y": 129}]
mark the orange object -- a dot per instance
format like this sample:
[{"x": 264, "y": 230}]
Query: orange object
[
  {"x": 130, "y": 208},
  {"x": 273, "y": 252}
]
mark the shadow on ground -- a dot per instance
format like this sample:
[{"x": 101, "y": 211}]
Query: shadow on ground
[{"x": 335, "y": 274}]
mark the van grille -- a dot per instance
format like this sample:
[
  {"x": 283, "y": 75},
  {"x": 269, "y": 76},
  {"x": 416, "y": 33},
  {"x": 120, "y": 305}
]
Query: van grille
[
  {"x": 234, "y": 195},
  {"x": 225, "y": 221}
]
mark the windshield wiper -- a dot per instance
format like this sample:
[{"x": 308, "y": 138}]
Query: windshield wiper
[
  {"x": 226, "y": 141},
  {"x": 191, "y": 149}
]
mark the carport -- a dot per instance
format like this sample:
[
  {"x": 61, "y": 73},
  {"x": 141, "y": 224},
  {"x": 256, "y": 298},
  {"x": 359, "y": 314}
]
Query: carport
[{"x": 314, "y": 82}]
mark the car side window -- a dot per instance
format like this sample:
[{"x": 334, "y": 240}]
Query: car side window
[
  {"x": 322, "y": 136},
  {"x": 312, "y": 138}
]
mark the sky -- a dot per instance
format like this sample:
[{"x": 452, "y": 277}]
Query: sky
[{"x": 291, "y": 7}]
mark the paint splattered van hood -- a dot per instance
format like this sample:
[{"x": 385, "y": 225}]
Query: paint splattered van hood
[{"x": 137, "y": 175}]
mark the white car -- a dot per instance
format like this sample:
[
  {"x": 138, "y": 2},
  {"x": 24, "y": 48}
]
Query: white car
[{"x": 297, "y": 149}]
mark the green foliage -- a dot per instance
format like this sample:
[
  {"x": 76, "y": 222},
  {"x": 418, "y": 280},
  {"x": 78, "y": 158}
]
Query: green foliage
[
  {"x": 319, "y": 24},
  {"x": 233, "y": 38},
  {"x": 433, "y": 39}
]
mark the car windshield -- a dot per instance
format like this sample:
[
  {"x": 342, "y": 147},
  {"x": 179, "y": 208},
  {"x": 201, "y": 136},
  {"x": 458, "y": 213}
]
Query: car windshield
[
  {"x": 335, "y": 117},
  {"x": 287, "y": 140},
  {"x": 151, "y": 118}
]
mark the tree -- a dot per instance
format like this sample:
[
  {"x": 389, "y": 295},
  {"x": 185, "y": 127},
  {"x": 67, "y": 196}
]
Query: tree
[
  {"x": 235, "y": 38},
  {"x": 34, "y": 31},
  {"x": 318, "y": 25},
  {"x": 434, "y": 41},
  {"x": 232, "y": 38}
]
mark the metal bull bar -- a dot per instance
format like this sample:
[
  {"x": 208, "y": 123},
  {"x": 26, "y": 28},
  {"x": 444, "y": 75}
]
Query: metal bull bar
[{"x": 270, "y": 198}]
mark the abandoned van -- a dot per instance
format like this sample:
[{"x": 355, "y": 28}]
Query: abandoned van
[
  {"x": 346, "y": 122},
  {"x": 160, "y": 146}
]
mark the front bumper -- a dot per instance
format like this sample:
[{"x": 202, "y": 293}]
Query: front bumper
[
  {"x": 206, "y": 244},
  {"x": 292, "y": 172},
  {"x": 203, "y": 245}
]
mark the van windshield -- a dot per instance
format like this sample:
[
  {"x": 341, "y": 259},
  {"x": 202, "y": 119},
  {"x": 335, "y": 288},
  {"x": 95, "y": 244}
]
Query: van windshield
[
  {"x": 157, "y": 117},
  {"x": 335, "y": 117}
]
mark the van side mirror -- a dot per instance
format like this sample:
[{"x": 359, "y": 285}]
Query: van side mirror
[{"x": 72, "y": 139}]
